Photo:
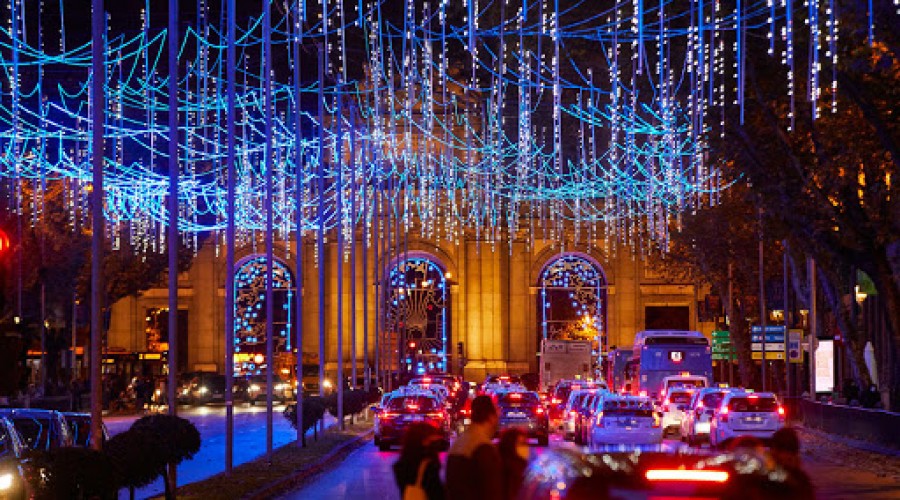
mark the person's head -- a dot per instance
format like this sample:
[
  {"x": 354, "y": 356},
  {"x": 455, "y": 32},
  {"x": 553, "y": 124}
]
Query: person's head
[
  {"x": 785, "y": 446},
  {"x": 514, "y": 442},
  {"x": 420, "y": 441},
  {"x": 484, "y": 412}
]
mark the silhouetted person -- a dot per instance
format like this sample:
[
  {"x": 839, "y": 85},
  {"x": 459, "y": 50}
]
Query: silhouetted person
[
  {"x": 514, "y": 453},
  {"x": 784, "y": 448},
  {"x": 419, "y": 464},
  {"x": 871, "y": 397},
  {"x": 474, "y": 468}
]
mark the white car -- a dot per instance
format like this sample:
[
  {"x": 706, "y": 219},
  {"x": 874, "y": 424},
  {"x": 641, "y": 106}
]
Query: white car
[
  {"x": 696, "y": 420},
  {"x": 626, "y": 420},
  {"x": 674, "y": 407},
  {"x": 746, "y": 414},
  {"x": 571, "y": 412}
]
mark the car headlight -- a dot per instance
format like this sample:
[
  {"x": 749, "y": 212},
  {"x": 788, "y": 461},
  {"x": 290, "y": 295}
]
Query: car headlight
[
  {"x": 6, "y": 481},
  {"x": 279, "y": 387},
  {"x": 203, "y": 390},
  {"x": 254, "y": 388},
  {"x": 158, "y": 392},
  {"x": 326, "y": 384}
]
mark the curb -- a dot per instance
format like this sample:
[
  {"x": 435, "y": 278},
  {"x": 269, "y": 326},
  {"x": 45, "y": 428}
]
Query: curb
[
  {"x": 299, "y": 477},
  {"x": 852, "y": 443}
]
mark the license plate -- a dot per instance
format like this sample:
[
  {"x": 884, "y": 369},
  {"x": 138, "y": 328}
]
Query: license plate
[
  {"x": 627, "y": 423},
  {"x": 752, "y": 420},
  {"x": 515, "y": 414},
  {"x": 414, "y": 418}
]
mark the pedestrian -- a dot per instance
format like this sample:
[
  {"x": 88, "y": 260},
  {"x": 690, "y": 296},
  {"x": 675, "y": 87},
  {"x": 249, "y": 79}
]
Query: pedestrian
[
  {"x": 140, "y": 394},
  {"x": 514, "y": 453},
  {"x": 418, "y": 470},
  {"x": 784, "y": 448},
  {"x": 474, "y": 467}
]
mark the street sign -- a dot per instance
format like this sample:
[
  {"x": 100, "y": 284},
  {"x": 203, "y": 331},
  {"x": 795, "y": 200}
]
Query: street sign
[
  {"x": 721, "y": 346},
  {"x": 769, "y": 329},
  {"x": 770, "y": 355},
  {"x": 770, "y": 337},
  {"x": 757, "y": 346},
  {"x": 795, "y": 353}
]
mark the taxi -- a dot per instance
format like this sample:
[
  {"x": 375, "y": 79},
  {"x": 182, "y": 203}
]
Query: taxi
[{"x": 626, "y": 420}]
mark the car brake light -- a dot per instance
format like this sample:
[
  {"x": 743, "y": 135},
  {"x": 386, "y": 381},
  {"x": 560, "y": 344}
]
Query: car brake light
[
  {"x": 539, "y": 410},
  {"x": 413, "y": 406},
  {"x": 436, "y": 414},
  {"x": 643, "y": 394},
  {"x": 555, "y": 401},
  {"x": 781, "y": 411},
  {"x": 390, "y": 415},
  {"x": 573, "y": 413},
  {"x": 515, "y": 395},
  {"x": 655, "y": 420},
  {"x": 697, "y": 476},
  {"x": 724, "y": 413}
]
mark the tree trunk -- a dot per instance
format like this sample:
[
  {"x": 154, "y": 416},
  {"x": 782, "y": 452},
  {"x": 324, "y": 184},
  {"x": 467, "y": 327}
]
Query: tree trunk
[
  {"x": 852, "y": 339},
  {"x": 166, "y": 482}
]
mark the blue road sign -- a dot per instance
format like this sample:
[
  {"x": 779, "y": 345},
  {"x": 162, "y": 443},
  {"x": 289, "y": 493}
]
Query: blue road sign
[
  {"x": 770, "y": 337},
  {"x": 769, "y": 329}
]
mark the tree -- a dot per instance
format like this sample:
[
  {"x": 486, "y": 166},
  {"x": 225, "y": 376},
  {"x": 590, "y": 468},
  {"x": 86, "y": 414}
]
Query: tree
[
  {"x": 169, "y": 440},
  {"x": 133, "y": 453},
  {"x": 829, "y": 182}
]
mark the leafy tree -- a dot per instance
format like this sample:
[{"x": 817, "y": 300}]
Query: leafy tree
[
  {"x": 134, "y": 455},
  {"x": 169, "y": 440},
  {"x": 313, "y": 411}
]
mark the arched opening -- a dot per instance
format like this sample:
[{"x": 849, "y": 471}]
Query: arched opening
[
  {"x": 416, "y": 317},
  {"x": 572, "y": 302},
  {"x": 250, "y": 315}
]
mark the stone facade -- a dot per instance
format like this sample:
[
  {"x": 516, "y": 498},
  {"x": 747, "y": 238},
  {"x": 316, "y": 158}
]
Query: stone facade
[{"x": 494, "y": 310}]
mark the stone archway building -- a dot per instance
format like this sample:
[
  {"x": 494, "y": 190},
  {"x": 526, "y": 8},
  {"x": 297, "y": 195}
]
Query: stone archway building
[{"x": 493, "y": 300}]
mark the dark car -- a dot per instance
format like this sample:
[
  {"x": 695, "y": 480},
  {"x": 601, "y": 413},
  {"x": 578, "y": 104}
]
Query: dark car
[
  {"x": 282, "y": 390},
  {"x": 572, "y": 475},
  {"x": 13, "y": 464},
  {"x": 201, "y": 388},
  {"x": 399, "y": 410},
  {"x": 524, "y": 410},
  {"x": 80, "y": 428},
  {"x": 40, "y": 429}
]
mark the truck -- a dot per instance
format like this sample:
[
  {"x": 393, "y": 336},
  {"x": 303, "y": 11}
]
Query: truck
[{"x": 565, "y": 360}]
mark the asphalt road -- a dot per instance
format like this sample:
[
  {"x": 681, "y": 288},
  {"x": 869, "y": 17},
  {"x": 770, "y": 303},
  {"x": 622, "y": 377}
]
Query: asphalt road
[{"x": 366, "y": 474}]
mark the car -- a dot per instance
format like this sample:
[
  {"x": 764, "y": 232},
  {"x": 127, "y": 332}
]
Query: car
[
  {"x": 746, "y": 414},
  {"x": 80, "y": 428},
  {"x": 587, "y": 413},
  {"x": 282, "y": 390},
  {"x": 560, "y": 396},
  {"x": 626, "y": 420},
  {"x": 39, "y": 429},
  {"x": 573, "y": 474},
  {"x": 696, "y": 421},
  {"x": 673, "y": 409},
  {"x": 570, "y": 413},
  {"x": 14, "y": 464},
  {"x": 201, "y": 388},
  {"x": 403, "y": 408},
  {"x": 523, "y": 410}
]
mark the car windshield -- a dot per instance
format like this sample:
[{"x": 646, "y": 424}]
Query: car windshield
[
  {"x": 751, "y": 404},
  {"x": 81, "y": 429},
  {"x": 518, "y": 399},
  {"x": 38, "y": 433},
  {"x": 412, "y": 403},
  {"x": 680, "y": 397}
]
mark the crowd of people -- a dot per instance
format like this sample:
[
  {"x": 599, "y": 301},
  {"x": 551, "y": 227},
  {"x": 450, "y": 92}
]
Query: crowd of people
[
  {"x": 476, "y": 467},
  {"x": 479, "y": 469}
]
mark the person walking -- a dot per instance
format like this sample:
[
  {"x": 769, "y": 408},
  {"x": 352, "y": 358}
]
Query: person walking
[
  {"x": 474, "y": 467},
  {"x": 514, "y": 453},
  {"x": 418, "y": 470}
]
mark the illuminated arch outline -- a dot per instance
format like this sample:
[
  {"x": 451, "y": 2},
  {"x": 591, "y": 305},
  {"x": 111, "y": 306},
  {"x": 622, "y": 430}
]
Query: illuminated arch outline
[
  {"x": 580, "y": 281},
  {"x": 250, "y": 310},
  {"x": 417, "y": 300}
]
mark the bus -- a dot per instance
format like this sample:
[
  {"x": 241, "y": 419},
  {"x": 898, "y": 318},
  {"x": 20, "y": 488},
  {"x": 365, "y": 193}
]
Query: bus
[
  {"x": 615, "y": 369},
  {"x": 658, "y": 354}
]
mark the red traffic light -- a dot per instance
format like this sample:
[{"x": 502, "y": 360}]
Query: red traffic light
[
  {"x": 4, "y": 241},
  {"x": 412, "y": 344}
]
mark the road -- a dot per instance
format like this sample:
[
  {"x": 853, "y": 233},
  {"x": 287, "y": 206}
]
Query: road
[
  {"x": 366, "y": 474},
  {"x": 249, "y": 440}
]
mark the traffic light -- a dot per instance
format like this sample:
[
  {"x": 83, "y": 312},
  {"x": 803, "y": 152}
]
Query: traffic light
[{"x": 412, "y": 344}]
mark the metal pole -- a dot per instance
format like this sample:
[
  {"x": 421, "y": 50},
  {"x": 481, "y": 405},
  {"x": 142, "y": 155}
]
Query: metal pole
[
  {"x": 298, "y": 215},
  {"x": 172, "y": 236},
  {"x": 270, "y": 243},
  {"x": 787, "y": 323},
  {"x": 365, "y": 276},
  {"x": 813, "y": 325},
  {"x": 229, "y": 242},
  {"x": 730, "y": 324},
  {"x": 762, "y": 301},
  {"x": 320, "y": 242},
  {"x": 98, "y": 107},
  {"x": 339, "y": 228},
  {"x": 353, "y": 356}
]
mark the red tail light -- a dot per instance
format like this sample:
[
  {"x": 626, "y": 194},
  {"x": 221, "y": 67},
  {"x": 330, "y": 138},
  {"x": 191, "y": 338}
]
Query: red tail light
[
  {"x": 572, "y": 413},
  {"x": 539, "y": 410},
  {"x": 696, "y": 476},
  {"x": 555, "y": 401},
  {"x": 435, "y": 415},
  {"x": 781, "y": 411},
  {"x": 389, "y": 415},
  {"x": 724, "y": 413}
]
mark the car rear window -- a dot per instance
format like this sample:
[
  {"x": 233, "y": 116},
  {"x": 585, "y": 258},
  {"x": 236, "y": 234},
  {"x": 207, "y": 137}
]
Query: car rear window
[
  {"x": 518, "y": 399},
  {"x": 414, "y": 403},
  {"x": 680, "y": 397},
  {"x": 753, "y": 405},
  {"x": 712, "y": 400},
  {"x": 617, "y": 405},
  {"x": 627, "y": 412}
]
